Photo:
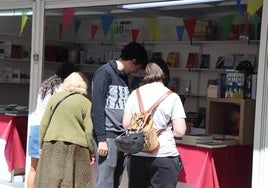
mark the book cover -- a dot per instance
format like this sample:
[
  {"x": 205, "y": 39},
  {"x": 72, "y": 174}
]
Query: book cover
[
  {"x": 253, "y": 86},
  {"x": 172, "y": 59},
  {"x": 157, "y": 55},
  {"x": 234, "y": 34},
  {"x": 192, "y": 60},
  {"x": 205, "y": 61},
  {"x": 184, "y": 86},
  {"x": 235, "y": 85},
  {"x": 194, "y": 119},
  {"x": 220, "y": 62},
  {"x": 229, "y": 61},
  {"x": 221, "y": 85},
  {"x": 247, "y": 86}
]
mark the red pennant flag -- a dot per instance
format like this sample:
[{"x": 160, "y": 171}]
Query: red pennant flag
[
  {"x": 135, "y": 33},
  {"x": 67, "y": 16},
  {"x": 94, "y": 29},
  {"x": 190, "y": 26},
  {"x": 60, "y": 31}
]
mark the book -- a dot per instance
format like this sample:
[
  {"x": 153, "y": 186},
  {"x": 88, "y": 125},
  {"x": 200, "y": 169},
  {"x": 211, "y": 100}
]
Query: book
[
  {"x": 157, "y": 55},
  {"x": 211, "y": 145},
  {"x": 197, "y": 136},
  {"x": 247, "y": 86},
  {"x": 184, "y": 86},
  {"x": 221, "y": 87},
  {"x": 192, "y": 60},
  {"x": 220, "y": 62},
  {"x": 205, "y": 61},
  {"x": 253, "y": 86},
  {"x": 235, "y": 85},
  {"x": 194, "y": 119},
  {"x": 234, "y": 34},
  {"x": 193, "y": 139},
  {"x": 229, "y": 61},
  {"x": 225, "y": 141},
  {"x": 172, "y": 59}
]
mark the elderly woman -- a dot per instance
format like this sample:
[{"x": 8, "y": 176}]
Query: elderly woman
[{"x": 65, "y": 137}]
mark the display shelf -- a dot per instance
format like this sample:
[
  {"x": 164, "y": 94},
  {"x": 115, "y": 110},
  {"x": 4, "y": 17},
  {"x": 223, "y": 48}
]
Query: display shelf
[{"x": 231, "y": 118}]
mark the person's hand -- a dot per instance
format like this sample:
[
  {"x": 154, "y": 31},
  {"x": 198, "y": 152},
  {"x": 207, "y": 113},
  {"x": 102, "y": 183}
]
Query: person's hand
[
  {"x": 103, "y": 148},
  {"x": 93, "y": 160}
]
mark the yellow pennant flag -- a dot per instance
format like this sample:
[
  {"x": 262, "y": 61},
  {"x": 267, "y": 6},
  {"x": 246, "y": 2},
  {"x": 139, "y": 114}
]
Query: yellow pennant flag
[
  {"x": 152, "y": 28},
  {"x": 24, "y": 19},
  {"x": 254, "y": 6}
]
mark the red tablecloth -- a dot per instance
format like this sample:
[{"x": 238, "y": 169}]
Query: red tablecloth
[
  {"x": 13, "y": 129},
  {"x": 228, "y": 167}
]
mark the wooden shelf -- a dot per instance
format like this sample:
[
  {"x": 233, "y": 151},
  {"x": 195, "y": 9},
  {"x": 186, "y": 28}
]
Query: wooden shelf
[{"x": 231, "y": 118}]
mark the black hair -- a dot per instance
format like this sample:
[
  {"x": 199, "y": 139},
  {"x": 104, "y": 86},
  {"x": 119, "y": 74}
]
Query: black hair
[
  {"x": 136, "y": 51},
  {"x": 66, "y": 69}
]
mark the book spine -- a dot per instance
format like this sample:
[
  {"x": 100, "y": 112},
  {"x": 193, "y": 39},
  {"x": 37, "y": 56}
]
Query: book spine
[
  {"x": 253, "y": 86},
  {"x": 221, "y": 85}
]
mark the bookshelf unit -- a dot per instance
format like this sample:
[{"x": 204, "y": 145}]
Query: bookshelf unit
[{"x": 231, "y": 118}]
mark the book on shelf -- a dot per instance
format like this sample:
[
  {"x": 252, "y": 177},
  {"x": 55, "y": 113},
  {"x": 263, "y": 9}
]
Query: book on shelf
[
  {"x": 229, "y": 61},
  {"x": 157, "y": 55},
  {"x": 234, "y": 34},
  {"x": 235, "y": 85},
  {"x": 221, "y": 87},
  {"x": 194, "y": 119},
  {"x": 253, "y": 86},
  {"x": 192, "y": 60},
  {"x": 220, "y": 62},
  {"x": 172, "y": 59},
  {"x": 204, "y": 61},
  {"x": 184, "y": 86}
]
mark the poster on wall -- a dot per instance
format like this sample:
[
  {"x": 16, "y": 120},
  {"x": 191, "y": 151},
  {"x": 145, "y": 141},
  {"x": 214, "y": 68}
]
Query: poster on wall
[{"x": 123, "y": 30}]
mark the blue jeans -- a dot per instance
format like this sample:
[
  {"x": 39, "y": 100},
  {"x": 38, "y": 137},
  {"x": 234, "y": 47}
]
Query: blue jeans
[{"x": 33, "y": 145}]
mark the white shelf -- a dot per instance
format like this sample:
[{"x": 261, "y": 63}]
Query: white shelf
[{"x": 15, "y": 60}]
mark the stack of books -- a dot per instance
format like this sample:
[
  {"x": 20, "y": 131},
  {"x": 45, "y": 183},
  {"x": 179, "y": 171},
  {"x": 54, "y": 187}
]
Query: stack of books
[
  {"x": 205, "y": 140},
  {"x": 194, "y": 139}
]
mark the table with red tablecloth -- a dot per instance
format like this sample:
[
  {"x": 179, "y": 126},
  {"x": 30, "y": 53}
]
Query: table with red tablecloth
[
  {"x": 226, "y": 167},
  {"x": 13, "y": 130}
]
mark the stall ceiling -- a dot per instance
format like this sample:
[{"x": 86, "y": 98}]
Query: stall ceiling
[{"x": 201, "y": 11}]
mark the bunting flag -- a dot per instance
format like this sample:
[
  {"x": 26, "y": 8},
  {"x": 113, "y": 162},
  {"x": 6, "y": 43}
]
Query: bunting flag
[
  {"x": 180, "y": 31},
  {"x": 106, "y": 21},
  {"x": 94, "y": 29},
  {"x": 190, "y": 27},
  {"x": 112, "y": 33},
  {"x": 240, "y": 8},
  {"x": 77, "y": 24},
  {"x": 152, "y": 28},
  {"x": 134, "y": 34},
  {"x": 60, "y": 31},
  {"x": 254, "y": 6},
  {"x": 227, "y": 22},
  {"x": 24, "y": 19},
  {"x": 67, "y": 16}
]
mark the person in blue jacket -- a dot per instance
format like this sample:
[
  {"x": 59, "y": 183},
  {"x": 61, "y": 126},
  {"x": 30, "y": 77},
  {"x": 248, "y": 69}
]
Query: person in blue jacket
[{"x": 109, "y": 94}]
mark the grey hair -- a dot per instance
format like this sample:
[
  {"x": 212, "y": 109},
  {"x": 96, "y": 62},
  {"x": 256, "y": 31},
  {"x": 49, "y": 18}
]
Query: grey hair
[{"x": 76, "y": 82}]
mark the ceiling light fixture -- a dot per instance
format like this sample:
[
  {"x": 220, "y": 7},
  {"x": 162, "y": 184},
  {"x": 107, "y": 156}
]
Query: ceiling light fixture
[
  {"x": 165, "y": 4},
  {"x": 14, "y": 13}
]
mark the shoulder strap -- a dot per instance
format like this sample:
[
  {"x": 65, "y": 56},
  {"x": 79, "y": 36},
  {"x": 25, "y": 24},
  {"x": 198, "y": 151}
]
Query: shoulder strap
[
  {"x": 62, "y": 99},
  {"x": 155, "y": 104}
]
